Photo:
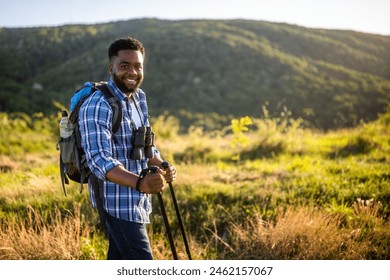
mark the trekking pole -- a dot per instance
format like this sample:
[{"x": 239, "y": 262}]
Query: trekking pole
[
  {"x": 153, "y": 169},
  {"x": 165, "y": 165}
]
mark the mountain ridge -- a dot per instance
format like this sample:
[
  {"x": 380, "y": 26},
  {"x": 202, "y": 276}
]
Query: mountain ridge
[{"x": 328, "y": 78}]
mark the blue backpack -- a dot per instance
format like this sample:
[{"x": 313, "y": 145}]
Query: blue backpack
[
  {"x": 83, "y": 93},
  {"x": 73, "y": 163}
]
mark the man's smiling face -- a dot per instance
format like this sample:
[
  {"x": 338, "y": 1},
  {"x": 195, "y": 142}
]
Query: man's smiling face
[{"x": 126, "y": 70}]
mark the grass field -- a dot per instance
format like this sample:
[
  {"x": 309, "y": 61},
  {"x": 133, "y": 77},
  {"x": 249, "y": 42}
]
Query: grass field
[{"x": 260, "y": 189}]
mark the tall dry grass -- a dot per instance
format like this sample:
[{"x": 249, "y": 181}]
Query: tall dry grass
[
  {"x": 309, "y": 234},
  {"x": 42, "y": 238}
]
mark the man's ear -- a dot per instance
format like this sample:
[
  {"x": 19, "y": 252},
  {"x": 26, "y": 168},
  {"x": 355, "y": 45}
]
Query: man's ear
[{"x": 110, "y": 69}]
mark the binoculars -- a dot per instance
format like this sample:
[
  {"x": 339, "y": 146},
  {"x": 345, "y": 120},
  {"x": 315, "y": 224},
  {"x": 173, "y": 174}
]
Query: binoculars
[{"x": 143, "y": 143}]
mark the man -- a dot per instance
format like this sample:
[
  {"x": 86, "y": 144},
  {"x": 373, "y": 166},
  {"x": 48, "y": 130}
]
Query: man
[{"x": 126, "y": 196}]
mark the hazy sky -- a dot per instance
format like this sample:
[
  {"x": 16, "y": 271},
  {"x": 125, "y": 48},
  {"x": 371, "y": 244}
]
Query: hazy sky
[{"x": 371, "y": 16}]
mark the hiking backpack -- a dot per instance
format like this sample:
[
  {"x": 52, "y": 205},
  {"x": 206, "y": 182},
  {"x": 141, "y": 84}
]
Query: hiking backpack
[{"x": 73, "y": 163}]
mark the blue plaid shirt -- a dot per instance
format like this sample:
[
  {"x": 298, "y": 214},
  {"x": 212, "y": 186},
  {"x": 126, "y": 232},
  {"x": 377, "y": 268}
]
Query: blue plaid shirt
[{"x": 103, "y": 153}]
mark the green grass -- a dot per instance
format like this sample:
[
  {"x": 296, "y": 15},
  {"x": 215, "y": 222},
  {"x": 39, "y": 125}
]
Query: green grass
[{"x": 291, "y": 193}]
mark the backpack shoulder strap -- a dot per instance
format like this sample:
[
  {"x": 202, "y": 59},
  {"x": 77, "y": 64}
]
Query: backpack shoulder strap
[{"x": 115, "y": 105}]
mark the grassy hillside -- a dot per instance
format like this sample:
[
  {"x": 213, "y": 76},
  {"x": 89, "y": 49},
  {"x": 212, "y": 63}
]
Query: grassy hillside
[
  {"x": 257, "y": 189},
  {"x": 203, "y": 69}
]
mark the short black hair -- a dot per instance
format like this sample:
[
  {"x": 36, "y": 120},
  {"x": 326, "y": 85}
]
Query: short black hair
[{"x": 128, "y": 43}]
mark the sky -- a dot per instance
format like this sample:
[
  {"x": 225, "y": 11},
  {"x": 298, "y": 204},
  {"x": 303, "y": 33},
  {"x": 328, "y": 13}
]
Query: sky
[{"x": 370, "y": 16}]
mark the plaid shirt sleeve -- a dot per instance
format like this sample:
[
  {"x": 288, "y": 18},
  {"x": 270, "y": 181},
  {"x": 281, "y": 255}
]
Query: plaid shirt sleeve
[{"x": 95, "y": 126}]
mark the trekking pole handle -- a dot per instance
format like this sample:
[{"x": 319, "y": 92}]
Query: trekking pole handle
[
  {"x": 165, "y": 164},
  {"x": 153, "y": 169}
]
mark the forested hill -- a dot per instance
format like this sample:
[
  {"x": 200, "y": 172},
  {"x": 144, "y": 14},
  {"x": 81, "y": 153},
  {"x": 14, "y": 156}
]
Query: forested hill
[{"x": 211, "y": 67}]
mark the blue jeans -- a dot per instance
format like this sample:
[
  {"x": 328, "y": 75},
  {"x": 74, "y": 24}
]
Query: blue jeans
[{"x": 127, "y": 240}]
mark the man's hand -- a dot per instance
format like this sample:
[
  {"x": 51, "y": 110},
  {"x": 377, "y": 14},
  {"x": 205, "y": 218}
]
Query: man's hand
[
  {"x": 170, "y": 172},
  {"x": 153, "y": 183}
]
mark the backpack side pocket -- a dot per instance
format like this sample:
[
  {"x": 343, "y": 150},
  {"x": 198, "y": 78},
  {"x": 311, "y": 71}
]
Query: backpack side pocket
[{"x": 69, "y": 152}]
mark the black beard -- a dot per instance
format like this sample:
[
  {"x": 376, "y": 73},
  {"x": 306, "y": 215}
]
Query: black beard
[{"x": 122, "y": 86}]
